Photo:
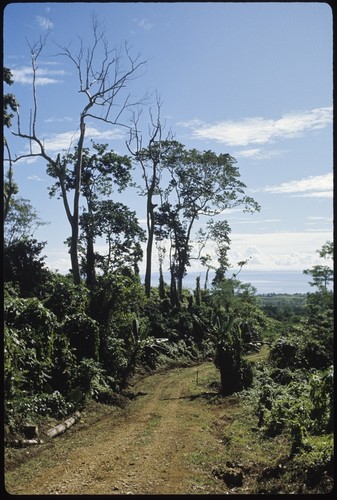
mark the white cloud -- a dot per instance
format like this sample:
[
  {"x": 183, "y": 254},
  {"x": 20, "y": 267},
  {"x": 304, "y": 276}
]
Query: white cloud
[
  {"x": 318, "y": 194},
  {"x": 144, "y": 24},
  {"x": 44, "y": 76},
  {"x": 317, "y": 186},
  {"x": 44, "y": 23},
  {"x": 257, "y": 154},
  {"x": 66, "y": 140},
  {"x": 269, "y": 251},
  {"x": 92, "y": 132},
  {"x": 259, "y": 130},
  {"x": 54, "y": 119},
  {"x": 278, "y": 251},
  {"x": 246, "y": 221},
  {"x": 318, "y": 218},
  {"x": 35, "y": 178}
]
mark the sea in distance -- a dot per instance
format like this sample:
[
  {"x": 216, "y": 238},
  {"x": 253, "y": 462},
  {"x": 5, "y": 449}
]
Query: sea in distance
[{"x": 278, "y": 282}]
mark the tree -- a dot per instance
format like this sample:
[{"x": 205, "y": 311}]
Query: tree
[
  {"x": 230, "y": 319},
  {"x": 119, "y": 226},
  {"x": 24, "y": 265},
  {"x": 322, "y": 275},
  {"x": 320, "y": 304},
  {"x": 101, "y": 79},
  {"x": 218, "y": 233},
  {"x": 9, "y": 101},
  {"x": 202, "y": 183},
  {"x": 149, "y": 158},
  {"x": 101, "y": 171},
  {"x": 21, "y": 221}
]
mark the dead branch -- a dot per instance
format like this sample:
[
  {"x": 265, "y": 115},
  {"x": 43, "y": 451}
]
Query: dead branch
[{"x": 59, "y": 429}]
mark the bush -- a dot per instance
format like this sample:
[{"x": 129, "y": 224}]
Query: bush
[
  {"x": 64, "y": 298},
  {"x": 93, "y": 379},
  {"x": 113, "y": 355},
  {"x": 286, "y": 353},
  {"x": 83, "y": 335},
  {"x": 64, "y": 365},
  {"x": 19, "y": 411},
  {"x": 29, "y": 342},
  {"x": 24, "y": 266}
]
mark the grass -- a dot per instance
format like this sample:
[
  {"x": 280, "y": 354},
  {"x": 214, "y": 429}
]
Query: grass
[{"x": 152, "y": 423}]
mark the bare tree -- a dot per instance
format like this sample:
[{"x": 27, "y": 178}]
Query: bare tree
[{"x": 101, "y": 80}]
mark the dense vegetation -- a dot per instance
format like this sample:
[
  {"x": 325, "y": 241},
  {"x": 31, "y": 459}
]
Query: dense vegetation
[
  {"x": 66, "y": 344},
  {"x": 70, "y": 338}
]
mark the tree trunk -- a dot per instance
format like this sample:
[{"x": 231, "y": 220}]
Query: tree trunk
[
  {"x": 59, "y": 429},
  {"x": 91, "y": 275},
  {"x": 75, "y": 267},
  {"x": 150, "y": 229}
]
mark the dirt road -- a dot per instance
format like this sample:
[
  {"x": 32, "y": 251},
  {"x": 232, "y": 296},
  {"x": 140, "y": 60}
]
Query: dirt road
[{"x": 155, "y": 446}]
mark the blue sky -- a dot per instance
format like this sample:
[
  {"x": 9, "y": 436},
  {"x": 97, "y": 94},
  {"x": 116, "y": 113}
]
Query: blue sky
[{"x": 250, "y": 79}]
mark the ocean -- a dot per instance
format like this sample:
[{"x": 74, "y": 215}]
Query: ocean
[{"x": 264, "y": 281}]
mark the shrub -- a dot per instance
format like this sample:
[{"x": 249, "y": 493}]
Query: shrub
[
  {"x": 19, "y": 411},
  {"x": 83, "y": 335},
  {"x": 322, "y": 397},
  {"x": 29, "y": 342},
  {"x": 24, "y": 266},
  {"x": 64, "y": 298},
  {"x": 64, "y": 365},
  {"x": 286, "y": 353}
]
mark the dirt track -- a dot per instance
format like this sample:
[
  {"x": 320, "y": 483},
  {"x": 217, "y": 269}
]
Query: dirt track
[{"x": 152, "y": 447}]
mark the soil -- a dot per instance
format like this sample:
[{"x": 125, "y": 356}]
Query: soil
[{"x": 162, "y": 442}]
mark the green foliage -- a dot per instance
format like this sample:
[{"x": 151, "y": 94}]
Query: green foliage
[
  {"x": 300, "y": 351},
  {"x": 322, "y": 398},
  {"x": 91, "y": 377},
  {"x": 321, "y": 275},
  {"x": 301, "y": 407},
  {"x": 239, "y": 326},
  {"x": 83, "y": 334},
  {"x": 64, "y": 298},
  {"x": 14, "y": 355},
  {"x": 35, "y": 321},
  {"x": 24, "y": 266},
  {"x": 9, "y": 100},
  {"x": 64, "y": 365},
  {"x": 116, "y": 294},
  {"x": 29, "y": 337},
  {"x": 320, "y": 315},
  {"x": 22, "y": 219},
  {"x": 283, "y": 307},
  {"x": 113, "y": 356},
  {"x": 235, "y": 373},
  {"x": 315, "y": 461},
  {"x": 19, "y": 412},
  {"x": 286, "y": 353},
  {"x": 119, "y": 227}
]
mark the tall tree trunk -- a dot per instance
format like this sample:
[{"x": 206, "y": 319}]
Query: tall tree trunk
[
  {"x": 75, "y": 267},
  {"x": 149, "y": 246},
  {"x": 91, "y": 275},
  {"x": 76, "y": 211}
]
